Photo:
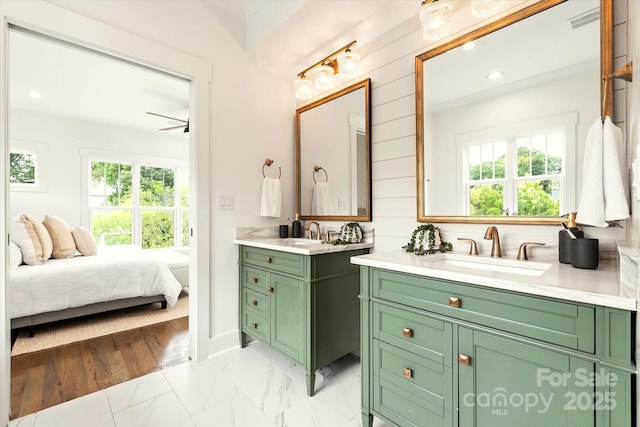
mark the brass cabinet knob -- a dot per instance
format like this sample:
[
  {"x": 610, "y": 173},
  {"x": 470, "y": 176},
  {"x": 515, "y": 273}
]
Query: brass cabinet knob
[
  {"x": 407, "y": 372},
  {"x": 270, "y": 289},
  {"x": 254, "y": 302},
  {"x": 254, "y": 280},
  {"x": 268, "y": 260},
  {"x": 407, "y": 332},
  {"x": 463, "y": 359},
  {"x": 254, "y": 325},
  {"x": 454, "y": 302}
]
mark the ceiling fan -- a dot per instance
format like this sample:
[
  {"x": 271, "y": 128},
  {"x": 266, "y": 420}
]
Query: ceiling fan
[{"x": 185, "y": 126}]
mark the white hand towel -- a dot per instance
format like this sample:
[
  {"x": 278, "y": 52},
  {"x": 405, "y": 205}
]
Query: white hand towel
[
  {"x": 616, "y": 206},
  {"x": 591, "y": 208},
  {"x": 271, "y": 197},
  {"x": 320, "y": 200}
]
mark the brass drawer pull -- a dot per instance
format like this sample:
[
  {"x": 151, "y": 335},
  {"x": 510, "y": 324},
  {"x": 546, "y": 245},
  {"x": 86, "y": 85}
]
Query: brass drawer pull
[
  {"x": 254, "y": 302},
  {"x": 254, "y": 325},
  {"x": 270, "y": 289},
  {"x": 463, "y": 359},
  {"x": 407, "y": 332},
  {"x": 268, "y": 260},
  {"x": 454, "y": 302},
  {"x": 408, "y": 373},
  {"x": 254, "y": 280}
]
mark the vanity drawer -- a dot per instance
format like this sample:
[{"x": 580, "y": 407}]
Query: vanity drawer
[
  {"x": 410, "y": 388},
  {"x": 563, "y": 323},
  {"x": 417, "y": 333},
  {"x": 255, "y": 325},
  {"x": 255, "y": 279},
  {"x": 256, "y": 301},
  {"x": 282, "y": 262}
]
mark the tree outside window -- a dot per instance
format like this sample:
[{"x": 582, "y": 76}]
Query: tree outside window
[{"x": 22, "y": 168}]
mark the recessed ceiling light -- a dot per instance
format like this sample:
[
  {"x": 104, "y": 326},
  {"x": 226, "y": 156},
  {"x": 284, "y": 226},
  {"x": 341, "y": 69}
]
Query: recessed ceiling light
[
  {"x": 494, "y": 75},
  {"x": 468, "y": 45},
  {"x": 34, "y": 94}
]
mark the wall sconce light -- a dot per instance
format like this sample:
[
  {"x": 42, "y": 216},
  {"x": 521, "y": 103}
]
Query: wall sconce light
[
  {"x": 484, "y": 8},
  {"x": 342, "y": 62},
  {"x": 435, "y": 18}
]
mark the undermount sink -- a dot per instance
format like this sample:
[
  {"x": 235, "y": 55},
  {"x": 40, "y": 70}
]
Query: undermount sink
[{"x": 524, "y": 268}]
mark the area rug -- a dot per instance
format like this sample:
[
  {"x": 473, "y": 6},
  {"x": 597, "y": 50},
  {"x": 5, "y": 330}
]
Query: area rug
[{"x": 70, "y": 331}]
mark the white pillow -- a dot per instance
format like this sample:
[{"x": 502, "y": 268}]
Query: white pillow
[
  {"x": 84, "y": 241},
  {"x": 32, "y": 238},
  {"x": 63, "y": 244},
  {"x": 15, "y": 256}
]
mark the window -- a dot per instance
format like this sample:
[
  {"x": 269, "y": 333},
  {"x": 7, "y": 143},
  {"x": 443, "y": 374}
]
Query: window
[
  {"x": 139, "y": 204},
  {"x": 26, "y": 170},
  {"x": 517, "y": 175}
]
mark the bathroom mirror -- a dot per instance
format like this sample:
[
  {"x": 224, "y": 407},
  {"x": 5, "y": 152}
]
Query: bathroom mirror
[
  {"x": 333, "y": 160},
  {"x": 501, "y": 126}
]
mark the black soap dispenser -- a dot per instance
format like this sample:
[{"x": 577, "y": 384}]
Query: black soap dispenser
[
  {"x": 296, "y": 227},
  {"x": 564, "y": 240}
]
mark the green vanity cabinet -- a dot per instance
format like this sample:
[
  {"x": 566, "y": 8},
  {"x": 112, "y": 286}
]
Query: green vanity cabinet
[
  {"x": 443, "y": 353},
  {"x": 304, "y": 306}
]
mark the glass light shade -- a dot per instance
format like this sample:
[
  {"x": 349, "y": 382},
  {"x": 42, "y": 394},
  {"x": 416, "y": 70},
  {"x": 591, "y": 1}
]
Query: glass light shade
[
  {"x": 304, "y": 88},
  {"x": 323, "y": 77},
  {"x": 348, "y": 64},
  {"x": 484, "y": 8},
  {"x": 436, "y": 20}
]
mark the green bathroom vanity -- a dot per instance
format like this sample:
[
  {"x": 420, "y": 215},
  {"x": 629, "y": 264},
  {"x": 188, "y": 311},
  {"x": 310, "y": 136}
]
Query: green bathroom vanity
[
  {"x": 301, "y": 299},
  {"x": 458, "y": 347}
]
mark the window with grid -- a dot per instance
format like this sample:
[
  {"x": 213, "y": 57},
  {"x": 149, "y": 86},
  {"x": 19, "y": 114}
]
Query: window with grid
[
  {"x": 133, "y": 203},
  {"x": 518, "y": 175}
]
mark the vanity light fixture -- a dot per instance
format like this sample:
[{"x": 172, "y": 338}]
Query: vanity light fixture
[
  {"x": 342, "y": 62},
  {"x": 484, "y": 8},
  {"x": 435, "y": 18}
]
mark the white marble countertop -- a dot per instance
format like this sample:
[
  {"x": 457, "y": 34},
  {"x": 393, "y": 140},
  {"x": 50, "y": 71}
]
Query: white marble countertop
[
  {"x": 300, "y": 246},
  {"x": 561, "y": 281}
]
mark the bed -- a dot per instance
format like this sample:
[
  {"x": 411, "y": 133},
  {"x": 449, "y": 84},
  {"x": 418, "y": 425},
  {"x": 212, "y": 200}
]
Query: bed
[{"x": 118, "y": 277}]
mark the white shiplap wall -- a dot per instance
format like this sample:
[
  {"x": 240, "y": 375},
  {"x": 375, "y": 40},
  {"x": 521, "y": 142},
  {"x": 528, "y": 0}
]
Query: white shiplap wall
[{"x": 391, "y": 67}]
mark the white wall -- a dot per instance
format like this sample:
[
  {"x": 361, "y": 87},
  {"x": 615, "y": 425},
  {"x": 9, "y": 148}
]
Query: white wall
[
  {"x": 63, "y": 139},
  {"x": 633, "y": 116}
]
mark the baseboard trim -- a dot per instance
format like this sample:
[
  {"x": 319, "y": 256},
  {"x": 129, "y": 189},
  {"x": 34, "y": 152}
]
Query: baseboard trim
[{"x": 223, "y": 343}]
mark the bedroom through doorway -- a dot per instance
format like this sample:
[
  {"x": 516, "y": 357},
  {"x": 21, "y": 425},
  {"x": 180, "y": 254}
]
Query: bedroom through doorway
[{"x": 99, "y": 152}]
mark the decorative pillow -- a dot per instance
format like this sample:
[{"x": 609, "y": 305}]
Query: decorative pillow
[
  {"x": 15, "y": 256},
  {"x": 63, "y": 244},
  {"x": 32, "y": 238},
  {"x": 84, "y": 241}
]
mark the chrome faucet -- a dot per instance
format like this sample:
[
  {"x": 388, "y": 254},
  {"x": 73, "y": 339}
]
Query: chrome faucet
[
  {"x": 307, "y": 227},
  {"x": 492, "y": 234}
]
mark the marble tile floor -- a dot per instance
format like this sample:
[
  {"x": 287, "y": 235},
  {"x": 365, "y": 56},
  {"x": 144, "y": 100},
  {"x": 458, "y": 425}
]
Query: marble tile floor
[{"x": 250, "y": 387}]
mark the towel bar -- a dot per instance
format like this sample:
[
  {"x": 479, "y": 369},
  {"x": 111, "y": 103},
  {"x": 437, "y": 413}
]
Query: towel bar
[
  {"x": 317, "y": 168},
  {"x": 268, "y": 162}
]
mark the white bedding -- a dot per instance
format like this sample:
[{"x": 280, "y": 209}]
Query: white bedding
[{"x": 115, "y": 273}]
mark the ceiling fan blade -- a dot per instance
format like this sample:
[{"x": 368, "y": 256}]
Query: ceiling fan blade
[
  {"x": 174, "y": 127},
  {"x": 166, "y": 117}
]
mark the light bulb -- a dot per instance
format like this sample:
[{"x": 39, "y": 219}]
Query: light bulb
[
  {"x": 348, "y": 64},
  {"x": 436, "y": 20},
  {"x": 303, "y": 87},
  {"x": 484, "y": 8},
  {"x": 324, "y": 77}
]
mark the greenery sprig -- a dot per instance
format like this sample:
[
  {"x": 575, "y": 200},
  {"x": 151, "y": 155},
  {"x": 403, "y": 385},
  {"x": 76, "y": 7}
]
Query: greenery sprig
[
  {"x": 433, "y": 237},
  {"x": 349, "y": 234}
]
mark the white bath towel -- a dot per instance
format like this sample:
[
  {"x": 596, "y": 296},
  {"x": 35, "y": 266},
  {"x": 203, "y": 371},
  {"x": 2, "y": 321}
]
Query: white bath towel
[
  {"x": 591, "y": 208},
  {"x": 616, "y": 205},
  {"x": 320, "y": 200},
  {"x": 271, "y": 197}
]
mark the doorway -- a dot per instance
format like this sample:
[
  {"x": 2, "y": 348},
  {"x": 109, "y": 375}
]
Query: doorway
[{"x": 69, "y": 26}]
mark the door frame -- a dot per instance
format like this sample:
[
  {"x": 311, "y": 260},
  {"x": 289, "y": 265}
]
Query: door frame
[{"x": 59, "y": 23}]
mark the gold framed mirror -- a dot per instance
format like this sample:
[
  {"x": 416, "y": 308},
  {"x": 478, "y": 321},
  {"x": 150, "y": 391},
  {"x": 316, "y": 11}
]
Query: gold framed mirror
[
  {"x": 483, "y": 137},
  {"x": 333, "y": 156}
]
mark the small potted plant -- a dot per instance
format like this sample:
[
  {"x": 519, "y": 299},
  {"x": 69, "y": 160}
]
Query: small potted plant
[
  {"x": 430, "y": 235},
  {"x": 350, "y": 232}
]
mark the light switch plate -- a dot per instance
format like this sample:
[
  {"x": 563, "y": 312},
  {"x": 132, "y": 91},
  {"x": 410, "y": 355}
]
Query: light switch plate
[{"x": 225, "y": 201}]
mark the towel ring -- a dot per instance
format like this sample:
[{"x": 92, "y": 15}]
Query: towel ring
[
  {"x": 268, "y": 162},
  {"x": 317, "y": 168}
]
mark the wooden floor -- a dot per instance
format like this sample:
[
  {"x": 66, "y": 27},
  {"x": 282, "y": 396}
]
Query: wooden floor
[{"x": 49, "y": 377}]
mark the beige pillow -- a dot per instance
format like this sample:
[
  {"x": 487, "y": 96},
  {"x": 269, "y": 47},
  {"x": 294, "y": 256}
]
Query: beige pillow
[
  {"x": 84, "y": 241},
  {"x": 63, "y": 244},
  {"x": 32, "y": 238}
]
